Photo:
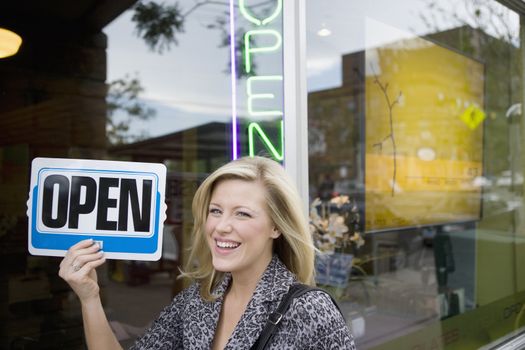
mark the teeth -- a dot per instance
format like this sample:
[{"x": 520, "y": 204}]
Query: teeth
[{"x": 227, "y": 244}]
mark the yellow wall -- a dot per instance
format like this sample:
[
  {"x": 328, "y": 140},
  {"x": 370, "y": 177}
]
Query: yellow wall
[{"x": 436, "y": 103}]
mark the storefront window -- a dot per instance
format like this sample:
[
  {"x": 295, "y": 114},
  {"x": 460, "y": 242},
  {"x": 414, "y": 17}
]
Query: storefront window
[
  {"x": 186, "y": 125},
  {"x": 415, "y": 151},
  {"x": 416, "y": 176},
  {"x": 132, "y": 81}
]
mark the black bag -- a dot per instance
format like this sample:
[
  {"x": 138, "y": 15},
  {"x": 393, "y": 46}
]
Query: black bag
[{"x": 295, "y": 291}]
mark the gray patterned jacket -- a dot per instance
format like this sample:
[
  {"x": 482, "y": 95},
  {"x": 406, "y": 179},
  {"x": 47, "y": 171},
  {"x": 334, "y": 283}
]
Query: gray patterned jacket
[{"x": 312, "y": 322}]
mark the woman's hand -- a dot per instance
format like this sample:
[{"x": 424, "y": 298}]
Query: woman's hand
[{"x": 78, "y": 269}]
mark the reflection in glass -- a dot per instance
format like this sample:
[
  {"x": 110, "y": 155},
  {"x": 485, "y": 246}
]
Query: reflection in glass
[
  {"x": 422, "y": 98},
  {"x": 98, "y": 90},
  {"x": 413, "y": 114}
]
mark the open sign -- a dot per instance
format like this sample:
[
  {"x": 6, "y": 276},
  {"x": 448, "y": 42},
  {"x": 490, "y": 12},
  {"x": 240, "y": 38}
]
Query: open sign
[{"x": 119, "y": 204}]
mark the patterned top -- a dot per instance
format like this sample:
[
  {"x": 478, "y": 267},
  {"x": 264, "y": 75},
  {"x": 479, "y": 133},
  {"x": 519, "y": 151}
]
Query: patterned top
[{"x": 311, "y": 322}]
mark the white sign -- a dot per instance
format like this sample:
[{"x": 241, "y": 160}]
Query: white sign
[{"x": 118, "y": 204}]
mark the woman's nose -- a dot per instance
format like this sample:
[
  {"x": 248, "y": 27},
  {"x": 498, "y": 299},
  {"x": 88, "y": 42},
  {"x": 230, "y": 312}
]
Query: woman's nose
[{"x": 224, "y": 225}]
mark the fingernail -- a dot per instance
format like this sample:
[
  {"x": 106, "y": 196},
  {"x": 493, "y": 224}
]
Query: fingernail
[{"x": 99, "y": 244}]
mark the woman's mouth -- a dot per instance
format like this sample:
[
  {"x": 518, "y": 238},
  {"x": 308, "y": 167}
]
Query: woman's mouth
[{"x": 226, "y": 244}]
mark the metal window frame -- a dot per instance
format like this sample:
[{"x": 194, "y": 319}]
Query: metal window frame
[
  {"x": 512, "y": 341},
  {"x": 295, "y": 96},
  {"x": 516, "y": 339}
]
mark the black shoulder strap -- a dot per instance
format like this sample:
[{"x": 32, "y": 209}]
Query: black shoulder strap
[{"x": 295, "y": 291}]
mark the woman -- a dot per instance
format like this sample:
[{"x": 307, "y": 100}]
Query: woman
[{"x": 250, "y": 244}]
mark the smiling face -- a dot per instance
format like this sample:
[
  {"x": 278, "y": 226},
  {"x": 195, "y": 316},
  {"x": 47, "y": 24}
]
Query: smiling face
[{"x": 239, "y": 230}]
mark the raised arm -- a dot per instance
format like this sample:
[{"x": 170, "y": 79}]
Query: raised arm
[{"x": 78, "y": 270}]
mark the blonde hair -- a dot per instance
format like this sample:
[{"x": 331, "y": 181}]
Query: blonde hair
[{"x": 294, "y": 246}]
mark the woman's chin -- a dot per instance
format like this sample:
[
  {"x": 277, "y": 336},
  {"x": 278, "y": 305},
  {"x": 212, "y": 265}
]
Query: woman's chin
[{"x": 219, "y": 264}]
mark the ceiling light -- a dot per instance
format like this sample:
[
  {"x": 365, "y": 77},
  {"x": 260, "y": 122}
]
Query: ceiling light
[
  {"x": 324, "y": 32},
  {"x": 9, "y": 43}
]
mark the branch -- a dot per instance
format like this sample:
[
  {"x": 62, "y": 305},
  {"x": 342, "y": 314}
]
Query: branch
[
  {"x": 384, "y": 90},
  {"x": 199, "y": 4}
]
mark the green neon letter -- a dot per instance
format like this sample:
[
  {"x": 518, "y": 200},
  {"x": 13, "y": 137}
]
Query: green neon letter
[
  {"x": 257, "y": 21},
  {"x": 254, "y": 127},
  {"x": 252, "y": 96},
  {"x": 248, "y": 50}
]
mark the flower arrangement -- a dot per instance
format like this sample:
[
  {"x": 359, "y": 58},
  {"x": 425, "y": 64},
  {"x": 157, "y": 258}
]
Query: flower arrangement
[{"x": 334, "y": 225}]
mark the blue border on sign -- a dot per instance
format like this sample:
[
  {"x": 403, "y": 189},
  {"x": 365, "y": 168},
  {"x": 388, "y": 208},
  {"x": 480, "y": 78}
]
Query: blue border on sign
[{"x": 113, "y": 244}]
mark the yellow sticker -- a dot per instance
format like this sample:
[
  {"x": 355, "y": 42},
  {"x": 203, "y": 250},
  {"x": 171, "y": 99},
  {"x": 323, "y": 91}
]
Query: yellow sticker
[{"x": 473, "y": 116}]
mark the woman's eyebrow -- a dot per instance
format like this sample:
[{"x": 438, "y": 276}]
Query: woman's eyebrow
[
  {"x": 254, "y": 211},
  {"x": 237, "y": 207}
]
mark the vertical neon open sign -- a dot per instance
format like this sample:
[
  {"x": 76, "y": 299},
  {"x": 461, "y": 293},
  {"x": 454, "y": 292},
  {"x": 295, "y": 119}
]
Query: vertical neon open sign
[{"x": 260, "y": 41}]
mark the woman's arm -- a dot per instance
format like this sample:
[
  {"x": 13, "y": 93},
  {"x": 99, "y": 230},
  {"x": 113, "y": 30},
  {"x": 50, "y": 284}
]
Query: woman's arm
[
  {"x": 78, "y": 270},
  {"x": 99, "y": 334}
]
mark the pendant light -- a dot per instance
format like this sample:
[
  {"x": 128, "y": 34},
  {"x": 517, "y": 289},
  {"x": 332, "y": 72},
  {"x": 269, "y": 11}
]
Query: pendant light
[{"x": 9, "y": 43}]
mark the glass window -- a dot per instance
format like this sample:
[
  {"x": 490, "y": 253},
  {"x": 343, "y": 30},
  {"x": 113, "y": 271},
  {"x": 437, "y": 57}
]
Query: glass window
[
  {"x": 99, "y": 82},
  {"x": 134, "y": 81},
  {"x": 416, "y": 177}
]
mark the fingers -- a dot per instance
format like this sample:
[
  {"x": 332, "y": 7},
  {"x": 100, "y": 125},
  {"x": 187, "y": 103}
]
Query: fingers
[
  {"x": 78, "y": 256},
  {"x": 92, "y": 264},
  {"x": 85, "y": 259},
  {"x": 87, "y": 246},
  {"x": 79, "y": 245},
  {"x": 78, "y": 268},
  {"x": 82, "y": 267},
  {"x": 82, "y": 244}
]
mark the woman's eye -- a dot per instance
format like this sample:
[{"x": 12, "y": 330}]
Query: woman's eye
[
  {"x": 214, "y": 211},
  {"x": 244, "y": 214}
]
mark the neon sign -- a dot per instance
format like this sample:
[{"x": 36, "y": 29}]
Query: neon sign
[
  {"x": 261, "y": 41},
  {"x": 255, "y": 127}
]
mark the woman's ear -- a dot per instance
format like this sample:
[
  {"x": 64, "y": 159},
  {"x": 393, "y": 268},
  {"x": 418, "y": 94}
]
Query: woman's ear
[{"x": 275, "y": 233}]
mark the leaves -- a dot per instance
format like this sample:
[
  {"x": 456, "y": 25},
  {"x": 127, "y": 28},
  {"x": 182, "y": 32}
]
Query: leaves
[
  {"x": 123, "y": 97},
  {"x": 158, "y": 24}
]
